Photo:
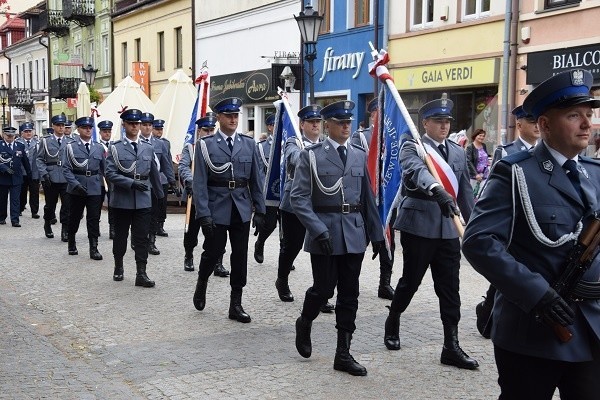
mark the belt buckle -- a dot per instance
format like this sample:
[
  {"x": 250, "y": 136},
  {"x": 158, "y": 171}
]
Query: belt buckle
[
  {"x": 136, "y": 176},
  {"x": 59, "y": 163},
  {"x": 231, "y": 185},
  {"x": 88, "y": 173},
  {"x": 345, "y": 208}
]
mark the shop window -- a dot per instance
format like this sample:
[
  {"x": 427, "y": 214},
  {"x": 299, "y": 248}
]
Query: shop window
[
  {"x": 559, "y": 3},
  {"x": 422, "y": 14},
  {"x": 324, "y": 9},
  {"x": 359, "y": 13},
  {"x": 475, "y": 8}
]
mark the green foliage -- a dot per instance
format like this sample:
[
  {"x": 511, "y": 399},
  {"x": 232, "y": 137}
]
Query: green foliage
[{"x": 95, "y": 96}]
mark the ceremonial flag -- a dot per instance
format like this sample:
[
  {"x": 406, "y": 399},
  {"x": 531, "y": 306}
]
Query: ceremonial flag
[
  {"x": 200, "y": 106},
  {"x": 94, "y": 114},
  {"x": 285, "y": 128}
]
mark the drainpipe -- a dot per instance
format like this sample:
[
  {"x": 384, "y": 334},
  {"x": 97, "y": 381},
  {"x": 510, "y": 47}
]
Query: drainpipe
[
  {"x": 193, "y": 40},
  {"x": 376, "y": 41},
  {"x": 48, "y": 74},
  {"x": 505, "y": 72},
  {"x": 514, "y": 54}
]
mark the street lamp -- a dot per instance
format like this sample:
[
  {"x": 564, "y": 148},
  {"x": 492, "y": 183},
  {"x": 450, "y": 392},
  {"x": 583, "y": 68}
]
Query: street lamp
[
  {"x": 309, "y": 22},
  {"x": 89, "y": 74},
  {"x": 3, "y": 97}
]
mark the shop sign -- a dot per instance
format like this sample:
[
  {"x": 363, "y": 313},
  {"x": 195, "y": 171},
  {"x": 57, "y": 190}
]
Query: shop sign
[
  {"x": 141, "y": 75},
  {"x": 544, "y": 64},
  {"x": 468, "y": 73},
  {"x": 251, "y": 87},
  {"x": 333, "y": 63}
]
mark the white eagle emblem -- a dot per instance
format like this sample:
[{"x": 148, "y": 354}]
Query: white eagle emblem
[
  {"x": 444, "y": 103},
  {"x": 577, "y": 77},
  {"x": 548, "y": 166}
]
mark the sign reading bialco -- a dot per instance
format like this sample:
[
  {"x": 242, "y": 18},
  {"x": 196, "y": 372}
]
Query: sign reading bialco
[{"x": 468, "y": 73}]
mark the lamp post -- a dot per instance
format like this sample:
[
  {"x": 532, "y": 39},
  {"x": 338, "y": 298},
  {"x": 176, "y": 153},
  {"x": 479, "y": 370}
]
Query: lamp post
[
  {"x": 309, "y": 22},
  {"x": 89, "y": 74},
  {"x": 3, "y": 97}
]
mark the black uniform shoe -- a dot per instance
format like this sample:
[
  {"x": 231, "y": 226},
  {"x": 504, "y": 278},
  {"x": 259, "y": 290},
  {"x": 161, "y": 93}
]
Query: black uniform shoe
[
  {"x": 48, "y": 230},
  {"x": 35, "y": 216},
  {"x": 452, "y": 354},
  {"x": 385, "y": 291},
  {"x": 293, "y": 267},
  {"x": 53, "y": 221},
  {"x": 220, "y": 270},
  {"x": 200, "y": 294},
  {"x": 259, "y": 248},
  {"x": 94, "y": 253},
  {"x": 141, "y": 279},
  {"x": 327, "y": 308},
  {"x": 188, "y": 262},
  {"x": 16, "y": 225},
  {"x": 3, "y": 222},
  {"x": 283, "y": 289},
  {"x": 72, "y": 246},
  {"x": 152, "y": 249},
  {"x": 343, "y": 359},
  {"x": 235, "y": 308},
  {"x": 391, "y": 337},
  {"x": 161, "y": 231},
  {"x": 303, "y": 342},
  {"x": 118, "y": 274}
]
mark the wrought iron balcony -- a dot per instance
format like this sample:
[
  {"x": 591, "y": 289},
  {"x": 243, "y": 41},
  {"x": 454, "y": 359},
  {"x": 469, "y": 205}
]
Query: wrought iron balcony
[
  {"x": 21, "y": 98},
  {"x": 82, "y": 12},
  {"x": 53, "y": 21},
  {"x": 64, "y": 88}
]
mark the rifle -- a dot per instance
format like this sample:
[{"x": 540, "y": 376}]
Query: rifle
[{"x": 578, "y": 261}]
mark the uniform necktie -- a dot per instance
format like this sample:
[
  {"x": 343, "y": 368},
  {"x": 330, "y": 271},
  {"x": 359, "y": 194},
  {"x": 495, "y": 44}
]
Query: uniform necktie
[
  {"x": 342, "y": 152},
  {"x": 58, "y": 142},
  {"x": 87, "y": 147},
  {"x": 230, "y": 144},
  {"x": 28, "y": 143},
  {"x": 573, "y": 175},
  {"x": 443, "y": 151},
  {"x": 10, "y": 145},
  {"x": 134, "y": 144}
]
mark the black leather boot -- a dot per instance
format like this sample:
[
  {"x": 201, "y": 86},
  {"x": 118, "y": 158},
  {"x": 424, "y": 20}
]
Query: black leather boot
[
  {"x": 283, "y": 289},
  {"x": 152, "y": 245},
  {"x": 48, "y": 229},
  {"x": 303, "y": 343},
  {"x": 452, "y": 354},
  {"x": 141, "y": 279},
  {"x": 220, "y": 269},
  {"x": 235, "y": 308},
  {"x": 72, "y": 246},
  {"x": 259, "y": 248},
  {"x": 385, "y": 291},
  {"x": 391, "y": 337},
  {"x": 118, "y": 274},
  {"x": 200, "y": 294},
  {"x": 327, "y": 308},
  {"x": 64, "y": 233},
  {"x": 188, "y": 261},
  {"x": 111, "y": 231},
  {"x": 161, "y": 230},
  {"x": 94, "y": 253},
  {"x": 343, "y": 359}
]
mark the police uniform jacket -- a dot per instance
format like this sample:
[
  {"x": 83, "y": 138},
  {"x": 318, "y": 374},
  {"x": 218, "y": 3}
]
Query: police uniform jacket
[
  {"x": 348, "y": 231},
  {"x": 291, "y": 154},
  {"x": 498, "y": 242},
  {"x": 264, "y": 151},
  {"x": 418, "y": 213},
  {"x": 49, "y": 157},
  {"x": 507, "y": 149},
  {"x": 360, "y": 135},
  {"x": 185, "y": 167},
  {"x": 31, "y": 151},
  {"x": 123, "y": 195},
  {"x": 212, "y": 200},
  {"x": 89, "y": 176},
  {"x": 164, "y": 159},
  {"x": 15, "y": 159}
]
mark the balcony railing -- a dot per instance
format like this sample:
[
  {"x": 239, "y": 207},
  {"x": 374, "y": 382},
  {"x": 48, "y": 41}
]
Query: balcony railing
[
  {"x": 21, "y": 98},
  {"x": 82, "y": 12},
  {"x": 53, "y": 21},
  {"x": 64, "y": 88}
]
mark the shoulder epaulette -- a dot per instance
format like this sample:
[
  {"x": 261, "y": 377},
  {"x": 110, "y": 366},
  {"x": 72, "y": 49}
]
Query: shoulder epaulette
[
  {"x": 517, "y": 157},
  {"x": 453, "y": 142},
  {"x": 46, "y": 136},
  {"x": 118, "y": 141},
  {"x": 589, "y": 159},
  {"x": 314, "y": 145},
  {"x": 261, "y": 141},
  {"x": 358, "y": 147},
  {"x": 507, "y": 145}
]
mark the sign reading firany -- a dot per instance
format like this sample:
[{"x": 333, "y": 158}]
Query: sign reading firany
[
  {"x": 333, "y": 63},
  {"x": 251, "y": 87}
]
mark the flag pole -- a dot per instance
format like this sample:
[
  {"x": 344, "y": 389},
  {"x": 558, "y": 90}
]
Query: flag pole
[{"x": 378, "y": 69}]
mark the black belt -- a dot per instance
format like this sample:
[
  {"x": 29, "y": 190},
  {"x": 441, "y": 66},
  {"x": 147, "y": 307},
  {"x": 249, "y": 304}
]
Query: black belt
[
  {"x": 343, "y": 208},
  {"x": 417, "y": 194},
  {"x": 59, "y": 163},
  {"x": 233, "y": 184},
  {"x": 137, "y": 177},
  {"x": 585, "y": 290},
  {"x": 86, "y": 173}
]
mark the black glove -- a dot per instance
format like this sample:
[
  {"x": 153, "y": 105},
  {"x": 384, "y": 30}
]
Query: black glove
[
  {"x": 173, "y": 186},
  {"x": 137, "y": 185},
  {"x": 554, "y": 308},
  {"x": 258, "y": 220},
  {"x": 46, "y": 179},
  {"x": 377, "y": 247},
  {"x": 208, "y": 227},
  {"x": 9, "y": 170},
  {"x": 445, "y": 201},
  {"x": 325, "y": 243},
  {"x": 80, "y": 190},
  {"x": 189, "y": 188}
]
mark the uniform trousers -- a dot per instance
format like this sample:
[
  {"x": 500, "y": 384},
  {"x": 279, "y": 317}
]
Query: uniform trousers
[
  {"x": 271, "y": 217},
  {"x": 190, "y": 238},
  {"x": 111, "y": 217},
  {"x": 52, "y": 193},
  {"x": 92, "y": 204},
  {"x": 523, "y": 377},
  {"x": 214, "y": 247},
  {"x": 139, "y": 221},
  {"x": 342, "y": 271},
  {"x": 162, "y": 211},
  {"x": 443, "y": 255},
  {"x": 292, "y": 238},
  {"x": 31, "y": 186},
  {"x": 155, "y": 212},
  {"x": 15, "y": 198}
]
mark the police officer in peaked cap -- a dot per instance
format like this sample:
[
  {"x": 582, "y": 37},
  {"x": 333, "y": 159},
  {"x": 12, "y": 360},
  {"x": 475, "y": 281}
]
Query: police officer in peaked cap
[
  {"x": 13, "y": 161},
  {"x": 31, "y": 182}
]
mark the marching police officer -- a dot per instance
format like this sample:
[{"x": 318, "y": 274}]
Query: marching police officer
[
  {"x": 69, "y": 128},
  {"x": 428, "y": 235},
  {"x": 362, "y": 137},
  {"x": 157, "y": 133},
  {"x": 13, "y": 160},
  {"x": 519, "y": 238},
  {"x": 50, "y": 154},
  {"x": 528, "y": 137},
  {"x": 129, "y": 166},
  {"x": 83, "y": 165},
  {"x": 31, "y": 182},
  {"x": 204, "y": 126},
  {"x": 105, "y": 128},
  {"x": 226, "y": 186},
  {"x": 331, "y": 196}
]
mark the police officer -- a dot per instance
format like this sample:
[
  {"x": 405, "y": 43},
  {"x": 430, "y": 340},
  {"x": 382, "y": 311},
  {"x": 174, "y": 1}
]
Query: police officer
[
  {"x": 226, "y": 187},
  {"x": 157, "y": 133},
  {"x": 69, "y": 128},
  {"x": 529, "y": 134},
  {"x": 83, "y": 166},
  {"x": 272, "y": 215},
  {"x": 363, "y": 138},
  {"x": 105, "y": 128},
  {"x": 331, "y": 196},
  {"x": 165, "y": 167},
  {"x": 50, "y": 154},
  {"x": 519, "y": 238},
  {"x": 13, "y": 160},
  {"x": 428, "y": 235},
  {"x": 31, "y": 182},
  {"x": 204, "y": 126},
  {"x": 129, "y": 166}
]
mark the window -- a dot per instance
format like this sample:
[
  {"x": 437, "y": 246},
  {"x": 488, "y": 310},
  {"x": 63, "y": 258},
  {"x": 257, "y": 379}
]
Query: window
[
  {"x": 138, "y": 49},
  {"x": 24, "y": 75},
  {"x": 560, "y": 3},
  {"x": 105, "y": 54},
  {"x": 44, "y": 73},
  {"x": 37, "y": 74},
  {"x": 362, "y": 12},
  {"x": 161, "y": 51},
  {"x": 178, "y": 48},
  {"x": 17, "y": 76},
  {"x": 422, "y": 13},
  {"x": 124, "y": 68},
  {"x": 324, "y": 9},
  {"x": 92, "y": 57},
  {"x": 476, "y": 8},
  {"x": 31, "y": 75}
]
